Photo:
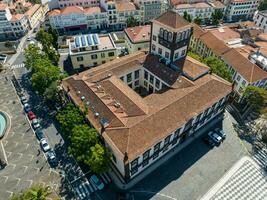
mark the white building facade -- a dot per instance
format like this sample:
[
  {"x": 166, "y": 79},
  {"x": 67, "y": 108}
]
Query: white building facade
[{"x": 260, "y": 19}]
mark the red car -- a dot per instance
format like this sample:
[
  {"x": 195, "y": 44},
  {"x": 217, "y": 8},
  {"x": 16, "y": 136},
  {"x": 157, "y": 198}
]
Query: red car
[{"x": 31, "y": 115}]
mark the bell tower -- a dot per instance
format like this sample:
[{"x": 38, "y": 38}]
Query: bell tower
[{"x": 170, "y": 37}]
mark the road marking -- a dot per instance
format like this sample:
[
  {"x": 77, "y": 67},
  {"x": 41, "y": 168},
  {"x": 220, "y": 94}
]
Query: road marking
[
  {"x": 163, "y": 195},
  {"x": 18, "y": 179},
  {"x": 6, "y": 178},
  {"x": 30, "y": 183},
  {"x": 20, "y": 155},
  {"x": 25, "y": 168},
  {"x": 11, "y": 193},
  {"x": 17, "y": 66},
  {"x": 27, "y": 145},
  {"x": 37, "y": 169},
  {"x": 8, "y": 154},
  {"x": 16, "y": 144},
  {"x": 14, "y": 165},
  {"x": 32, "y": 156},
  {"x": 5, "y": 142},
  {"x": 4, "y": 152}
]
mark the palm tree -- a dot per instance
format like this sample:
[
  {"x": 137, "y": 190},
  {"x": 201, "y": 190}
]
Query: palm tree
[{"x": 36, "y": 192}]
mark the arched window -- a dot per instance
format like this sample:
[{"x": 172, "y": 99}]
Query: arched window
[
  {"x": 178, "y": 37},
  {"x": 165, "y": 36},
  {"x": 183, "y": 35},
  {"x": 161, "y": 32},
  {"x": 170, "y": 36}
]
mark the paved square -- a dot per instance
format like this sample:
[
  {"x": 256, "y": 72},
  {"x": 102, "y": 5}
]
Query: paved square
[
  {"x": 244, "y": 181},
  {"x": 27, "y": 164}
]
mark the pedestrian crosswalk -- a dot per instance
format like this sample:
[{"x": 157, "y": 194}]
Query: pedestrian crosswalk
[
  {"x": 84, "y": 189},
  {"x": 260, "y": 156},
  {"x": 18, "y": 66}
]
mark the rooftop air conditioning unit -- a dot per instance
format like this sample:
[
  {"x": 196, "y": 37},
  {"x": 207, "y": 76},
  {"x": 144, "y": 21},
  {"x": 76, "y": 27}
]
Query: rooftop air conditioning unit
[
  {"x": 97, "y": 114},
  {"x": 82, "y": 98},
  {"x": 117, "y": 105}
]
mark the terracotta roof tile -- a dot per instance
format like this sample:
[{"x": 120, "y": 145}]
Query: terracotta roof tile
[
  {"x": 122, "y": 5},
  {"x": 17, "y": 17},
  {"x": 138, "y": 33},
  {"x": 248, "y": 70}
]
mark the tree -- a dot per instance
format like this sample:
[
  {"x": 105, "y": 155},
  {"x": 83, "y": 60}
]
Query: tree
[
  {"x": 255, "y": 96},
  {"x": 42, "y": 78},
  {"x": 263, "y": 5},
  {"x": 218, "y": 67},
  {"x": 45, "y": 39},
  {"x": 82, "y": 138},
  {"x": 198, "y": 20},
  {"x": 216, "y": 16},
  {"x": 1, "y": 67},
  {"x": 131, "y": 22},
  {"x": 195, "y": 56},
  {"x": 33, "y": 55},
  {"x": 54, "y": 34},
  {"x": 52, "y": 55},
  {"x": 68, "y": 118},
  {"x": 99, "y": 158},
  {"x": 187, "y": 16},
  {"x": 34, "y": 193},
  {"x": 52, "y": 93}
]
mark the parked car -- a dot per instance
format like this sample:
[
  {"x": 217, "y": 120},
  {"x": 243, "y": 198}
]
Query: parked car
[
  {"x": 35, "y": 123},
  {"x": 23, "y": 99},
  {"x": 27, "y": 108},
  {"x": 29, "y": 39},
  {"x": 220, "y": 132},
  {"x": 31, "y": 115},
  {"x": 208, "y": 141},
  {"x": 39, "y": 134},
  {"x": 215, "y": 137},
  {"x": 45, "y": 146},
  {"x": 51, "y": 156},
  {"x": 97, "y": 182},
  {"x": 35, "y": 30}
]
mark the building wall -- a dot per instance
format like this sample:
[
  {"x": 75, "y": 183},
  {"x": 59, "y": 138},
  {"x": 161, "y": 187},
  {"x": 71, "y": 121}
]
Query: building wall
[
  {"x": 87, "y": 59},
  {"x": 133, "y": 47},
  {"x": 36, "y": 17},
  {"x": 242, "y": 10},
  {"x": 260, "y": 19},
  {"x": 175, "y": 138},
  {"x": 83, "y": 3}
]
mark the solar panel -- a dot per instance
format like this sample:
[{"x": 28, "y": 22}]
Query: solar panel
[
  {"x": 89, "y": 39},
  {"x": 77, "y": 42},
  {"x": 95, "y": 38},
  {"x": 83, "y": 40}
]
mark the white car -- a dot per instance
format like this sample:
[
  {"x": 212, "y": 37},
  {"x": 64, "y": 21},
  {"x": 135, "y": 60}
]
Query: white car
[
  {"x": 97, "y": 182},
  {"x": 44, "y": 145},
  {"x": 35, "y": 124},
  {"x": 23, "y": 99},
  {"x": 27, "y": 108},
  {"x": 29, "y": 39}
]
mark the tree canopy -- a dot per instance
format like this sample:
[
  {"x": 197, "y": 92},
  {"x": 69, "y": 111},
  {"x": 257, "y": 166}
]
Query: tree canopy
[
  {"x": 256, "y": 97},
  {"x": 218, "y": 67},
  {"x": 36, "y": 192},
  {"x": 33, "y": 55},
  {"x": 198, "y": 20},
  {"x": 68, "y": 118},
  {"x": 216, "y": 16},
  {"x": 131, "y": 22},
  {"x": 187, "y": 16},
  {"x": 263, "y": 5}
]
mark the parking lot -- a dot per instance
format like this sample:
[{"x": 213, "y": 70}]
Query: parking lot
[
  {"x": 27, "y": 165},
  {"x": 190, "y": 173}
]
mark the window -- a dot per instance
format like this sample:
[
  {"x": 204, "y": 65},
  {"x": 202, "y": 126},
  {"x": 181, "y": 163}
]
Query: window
[
  {"x": 95, "y": 63},
  {"x": 161, "y": 32},
  {"x": 146, "y": 75},
  {"x": 136, "y": 74},
  {"x": 80, "y": 58},
  {"x": 167, "y": 55},
  {"x": 102, "y": 55},
  {"x": 145, "y": 83},
  {"x": 151, "y": 79},
  {"x": 169, "y": 36},
  {"x": 238, "y": 78},
  {"x": 110, "y": 54},
  {"x": 94, "y": 56},
  {"x": 146, "y": 158},
  {"x": 81, "y": 66},
  {"x": 103, "y": 62},
  {"x": 243, "y": 82},
  {"x": 157, "y": 83},
  {"x": 166, "y": 143},
  {"x": 122, "y": 78},
  {"x": 154, "y": 38},
  {"x": 153, "y": 47},
  {"x": 176, "y": 55},
  {"x": 165, "y": 35},
  {"x": 129, "y": 77},
  {"x": 156, "y": 150},
  {"x": 134, "y": 166},
  {"x": 114, "y": 158},
  {"x": 183, "y": 52},
  {"x": 160, "y": 51},
  {"x": 136, "y": 83}
]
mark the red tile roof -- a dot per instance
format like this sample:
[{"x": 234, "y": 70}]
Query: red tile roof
[{"x": 139, "y": 33}]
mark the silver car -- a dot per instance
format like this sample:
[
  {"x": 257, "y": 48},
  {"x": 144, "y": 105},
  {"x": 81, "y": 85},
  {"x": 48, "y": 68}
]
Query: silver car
[
  {"x": 35, "y": 124},
  {"x": 45, "y": 146}
]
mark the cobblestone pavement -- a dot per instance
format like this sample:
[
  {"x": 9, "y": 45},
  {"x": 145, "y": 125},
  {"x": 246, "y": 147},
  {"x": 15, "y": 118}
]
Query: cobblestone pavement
[{"x": 27, "y": 164}]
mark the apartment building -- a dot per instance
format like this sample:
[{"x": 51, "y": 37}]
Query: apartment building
[
  {"x": 150, "y": 9},
  {"x": 260, "y": 19},
  {"x": 81, "y": 3},
  {"x": 128, "y": 97},
  {"x": 90, "y": 50},
  {"x": 203, "y": 10},
  {"x": 244, "y": 72},
  {"x": 35, "y": 14},
  {"x": 76, "y": 18},
  {"x": 240, "y": 9},
  {"x": 137, "y": 38}
]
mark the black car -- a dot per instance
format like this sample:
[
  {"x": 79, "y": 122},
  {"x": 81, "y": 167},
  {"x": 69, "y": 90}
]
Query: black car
[
  {"x": 208, "y": 141},
  {"x": 39, "y": 134},
  {"x": 52, "y": 159}
]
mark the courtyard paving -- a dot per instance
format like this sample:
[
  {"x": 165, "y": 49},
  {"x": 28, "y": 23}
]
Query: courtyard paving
[{"x": 27, "y": 164}]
